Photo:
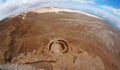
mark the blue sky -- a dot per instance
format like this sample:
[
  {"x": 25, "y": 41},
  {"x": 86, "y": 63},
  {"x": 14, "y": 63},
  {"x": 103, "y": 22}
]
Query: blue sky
[
  {"x": 113, "y": 3},
  {"x": 107, "y": 9}
]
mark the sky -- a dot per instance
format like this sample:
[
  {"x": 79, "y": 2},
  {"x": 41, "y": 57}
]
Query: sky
[{"x": 109, "y": 10}]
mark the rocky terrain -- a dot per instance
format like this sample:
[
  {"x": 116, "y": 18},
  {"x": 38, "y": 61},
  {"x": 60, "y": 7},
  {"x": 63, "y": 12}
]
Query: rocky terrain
[{"x": 59, "y": 39}]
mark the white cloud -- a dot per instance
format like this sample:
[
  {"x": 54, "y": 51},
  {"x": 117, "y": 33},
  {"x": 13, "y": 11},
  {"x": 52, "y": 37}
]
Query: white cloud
[
  {"x": 86, "y": 1},
  {"x": 114, "y": 10}
]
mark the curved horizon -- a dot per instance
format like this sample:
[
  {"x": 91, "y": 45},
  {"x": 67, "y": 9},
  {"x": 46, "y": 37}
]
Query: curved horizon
[{"x": 108, "y": 10}]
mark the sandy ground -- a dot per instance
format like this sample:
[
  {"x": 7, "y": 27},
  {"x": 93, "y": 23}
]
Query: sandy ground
[{"x": 59, "y": 41}]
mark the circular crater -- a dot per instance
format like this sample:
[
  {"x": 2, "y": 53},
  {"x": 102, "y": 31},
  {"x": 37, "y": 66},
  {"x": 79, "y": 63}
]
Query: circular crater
[{"x": 58, "y": 46}]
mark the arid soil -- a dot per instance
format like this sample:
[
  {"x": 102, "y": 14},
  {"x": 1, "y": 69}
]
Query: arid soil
[{"x": 59, "y": 40}]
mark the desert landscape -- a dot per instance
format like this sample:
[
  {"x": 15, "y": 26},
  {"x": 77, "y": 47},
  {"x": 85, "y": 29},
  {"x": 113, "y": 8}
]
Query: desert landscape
[{"x": 58, "y": 39}]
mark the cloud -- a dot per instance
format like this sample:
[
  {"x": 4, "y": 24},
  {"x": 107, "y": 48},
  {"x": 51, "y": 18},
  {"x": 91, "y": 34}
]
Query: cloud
[
  {"x": 114, "y": 10},
  {"x": 86, "y": 1},
  {"x": 2, "y": 1}
]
